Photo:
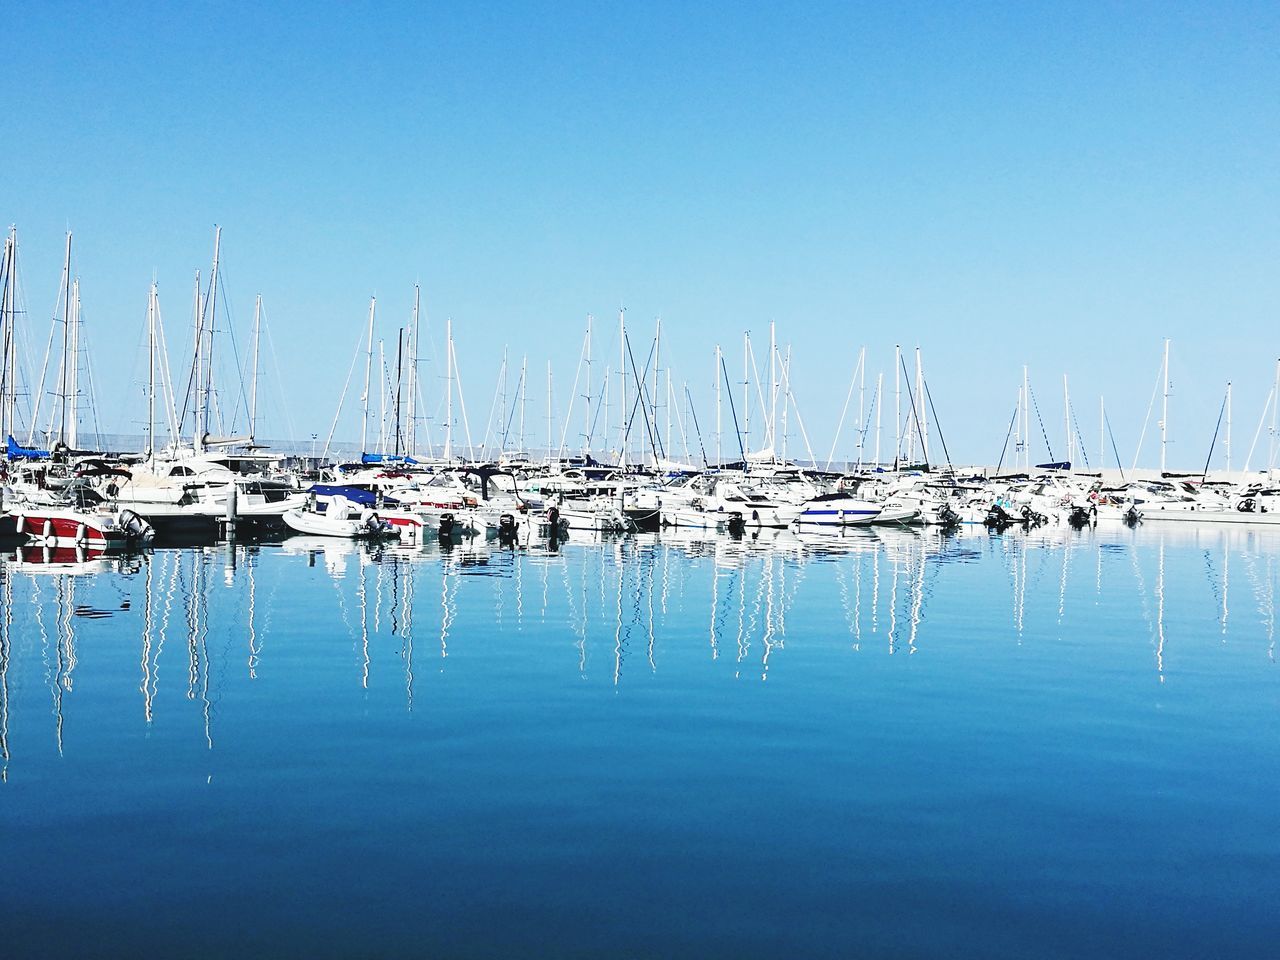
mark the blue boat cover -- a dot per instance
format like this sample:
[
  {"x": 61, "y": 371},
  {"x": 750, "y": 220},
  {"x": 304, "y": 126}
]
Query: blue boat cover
[
  {"x": 18, "y": 452},
  {"x": 354, "y": 494}
]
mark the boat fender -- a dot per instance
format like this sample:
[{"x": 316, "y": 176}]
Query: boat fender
[
  {"x": 21, "y": 524},
  {"x": 81, "y": 530},
  {"x": 47, "y": 530}
]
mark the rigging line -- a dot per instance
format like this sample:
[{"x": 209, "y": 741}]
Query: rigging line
[
  {"x": 866, "y": 426},
  {"x": 1007, "y": 435},
  {"x": 937, "y": 423},
  {"x": 1114, "y": 449},
  {"x": 1214, "y": 442},
  {"x": 694, "y": 413},
  {"x": 737, "y": 431},
  {"x": 1147, "y": 419},
  {"x": 911, "y": 396},
  {"x": 1084, "y": 450},
  {"x": 512, "y": 415},
  {"x": 626, "y": 426},
  {"x": 1043, "y": 432},
  {"x": 642, "y": 394}
]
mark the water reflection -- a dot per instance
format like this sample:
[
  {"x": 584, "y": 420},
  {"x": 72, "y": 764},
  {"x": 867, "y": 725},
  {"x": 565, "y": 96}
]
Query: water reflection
[{"x": 619, "y": 609}]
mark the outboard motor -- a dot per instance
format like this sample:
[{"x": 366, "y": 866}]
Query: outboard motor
[
  {"x": 737, "y": 526},
  {"x": 506, "y": 529},
  {"x": 553, "y": 522},
  {"x": 447, "y": 526},
  {"x": 947, "y": 516},
  {"x": 1132, "y": 517},
  {"x": 997, "y": 517},
  {"x": 1081, "y": 516},
  {"x": 1033, "y": 519}
]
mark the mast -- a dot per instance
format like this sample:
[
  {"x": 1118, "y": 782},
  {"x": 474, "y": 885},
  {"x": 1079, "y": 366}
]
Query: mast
[
  {"x": 550, "y": 427},
  {"x": 657, "y": 357},
  {"x": 66, "y": 335},
  {"x": 253, "y": 383},
  {"x": 448, "y": 403},
  {"x": 368, "y": 368},
  {"x": 746, "y": 396},
  {"x": 207, "y": 321},
  {"x": 1066, "y": 419},
  {"x": 151, "y": 371},
  {"x": 1164, "y": 409},
  {"x": 524, "y": 395},
  {"x": 1275, "y": 403},
  {"x": 586, "y": 426},
  {"x": 862, "y": 402},
  {"x": 719, "y": 426},
  {"x": 399, "y": 396},
  {"x": 1228, "y": 438},
  {"x": 879, "y": 410},
  {"x": 1102, "y": 434},
  {"x": 1026, "y": 418},
  {"x": 923, "y": 426},
  {"x": 411, "y": 445},
  {"x": 622, "y": 374},
  {"x": 382, "y": 396},
  {"x": 897, "y": 403},
  {"x": 8, "y": 342},
  {"x": 72, "y": 437},
  {"x": 773, "y": 385},
  {"x": 197, "y": 368}
]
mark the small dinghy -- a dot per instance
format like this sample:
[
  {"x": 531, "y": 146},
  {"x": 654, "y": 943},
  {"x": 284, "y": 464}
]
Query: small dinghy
[{"x": 336, "y": 515}]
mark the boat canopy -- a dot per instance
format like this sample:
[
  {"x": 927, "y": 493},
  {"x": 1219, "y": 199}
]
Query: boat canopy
[
  {"x": 354, "y": 494},
  {"x": 18, "y": 452}
]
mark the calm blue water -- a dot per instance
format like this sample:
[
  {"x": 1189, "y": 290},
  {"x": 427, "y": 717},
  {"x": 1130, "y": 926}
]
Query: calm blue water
[{"x": 891, "y": 744}]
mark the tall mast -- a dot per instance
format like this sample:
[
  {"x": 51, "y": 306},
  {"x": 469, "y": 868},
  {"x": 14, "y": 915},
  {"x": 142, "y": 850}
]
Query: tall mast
[
  {"x": 411, "y": 446},
  {"x": 1275, "y": 403},
  {"x": 1026, "y": 418},
  {"x": 368, "y": 369},
  {"x": 1102, "y": 434},
  {"x": 622, "y": 374},
  {"x": 66, "y": 342},
  {"x": 719, "y": 427},
  {"x": 197, "y": 367},
  {"x": 550, "y": 439},
  {"x": 657, "y": 357},
  {"x": 398, "y": 399},
  {"x": 253, "y": 383},
  {"x": 879, "y": 410},
  {"x": 382, "y": 396},
  {"x": 151, "y": 370},
  {"x": 923, "y": 427},
  {"x": 746, "y": 396},
  {"x": 72, "y": 437},
  {"x": 7, "y": 314},
  {"x": 524, "y": 395},
  {"x": 1228, "y": 443},
  {"x": 448, "y": 403},
  {"x": 897, "y": 403},
  {"x": 1164, "y": 409},
  {"x": 862, "y": 402},
  {"x": 773, "y": 386},
  {"x": 208, "y": 321},
  {"x": 1066, "y": 419},
  {"x": 586, "y": 429}
]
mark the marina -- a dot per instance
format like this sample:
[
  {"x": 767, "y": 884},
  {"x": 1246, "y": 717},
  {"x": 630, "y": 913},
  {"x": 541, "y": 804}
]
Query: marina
[
  {"x": 666, "y": 481},
  {"x": 617, "y": 734}
]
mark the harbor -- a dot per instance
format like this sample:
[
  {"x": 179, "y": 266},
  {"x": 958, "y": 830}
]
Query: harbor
[{"x": 666, "y": 481}]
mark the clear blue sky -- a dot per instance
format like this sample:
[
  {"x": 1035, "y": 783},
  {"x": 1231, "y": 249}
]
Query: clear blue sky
[{"x": 1060, "y": 185}]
